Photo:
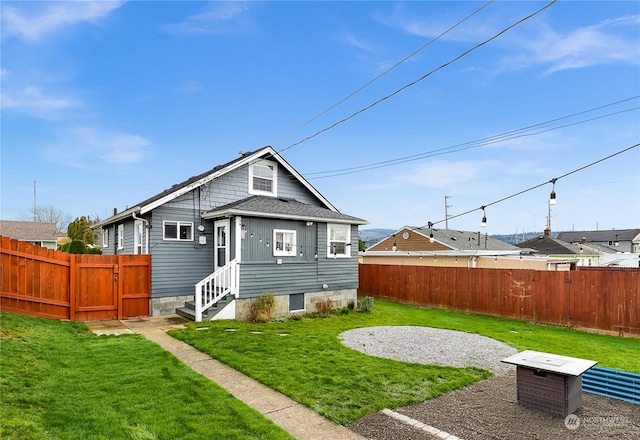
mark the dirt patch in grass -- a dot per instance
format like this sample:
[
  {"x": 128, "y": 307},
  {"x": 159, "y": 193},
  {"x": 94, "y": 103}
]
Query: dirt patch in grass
[{"x": 489, "y": 410}]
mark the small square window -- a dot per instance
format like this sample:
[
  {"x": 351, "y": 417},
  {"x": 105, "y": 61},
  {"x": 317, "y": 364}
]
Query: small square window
[
  {"x": 297, "y": 302},
  {"x": 180, "y": 231},
  {"x": 284, "y": 242}
]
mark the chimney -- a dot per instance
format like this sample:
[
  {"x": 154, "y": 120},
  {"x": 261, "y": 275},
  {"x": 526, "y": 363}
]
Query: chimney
[
  {"x": 115, "y": 211},
  {"x": 547, "y": 232}
]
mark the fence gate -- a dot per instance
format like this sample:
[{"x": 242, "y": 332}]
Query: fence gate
[{"x": 42, "y": 282}]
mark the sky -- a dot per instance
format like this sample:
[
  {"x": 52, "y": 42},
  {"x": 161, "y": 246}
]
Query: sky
[{"x": 104, "y": 104}]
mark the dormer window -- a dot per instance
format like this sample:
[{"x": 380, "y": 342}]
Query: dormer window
[{"x": 263, "y": 178}]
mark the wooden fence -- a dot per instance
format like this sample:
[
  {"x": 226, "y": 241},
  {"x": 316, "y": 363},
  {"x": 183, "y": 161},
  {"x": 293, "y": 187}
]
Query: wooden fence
[
  {"x": 598, "y": 299},
  {"x": 52, "y": 284}
]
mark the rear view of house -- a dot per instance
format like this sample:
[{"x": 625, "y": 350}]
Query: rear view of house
[{"x": 251, "y": 226}]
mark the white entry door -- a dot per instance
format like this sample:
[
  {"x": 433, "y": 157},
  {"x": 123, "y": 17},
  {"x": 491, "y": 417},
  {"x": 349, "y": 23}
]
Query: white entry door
[{"x": 221, "y": 243}]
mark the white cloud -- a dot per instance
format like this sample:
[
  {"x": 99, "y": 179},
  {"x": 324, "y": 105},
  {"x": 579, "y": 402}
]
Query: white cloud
[
  {"x": 87, "y": 147},
  {"x": 32, "y": 100},
  {"x": 602, "y": 43},
  {"x": 350, "y": 40},
  {"x": 33, "y": 24},
  {"x": 217, "y": 18}
]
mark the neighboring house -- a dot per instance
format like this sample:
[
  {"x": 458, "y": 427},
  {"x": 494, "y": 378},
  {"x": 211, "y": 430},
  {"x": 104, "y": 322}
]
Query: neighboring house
[
  {"x": 559, "y": 250},
  {"x": 609, "y": 241},
  {"x": 248, "y": 227},
  {"x": 42, "y": 234},
  {"x": 424, "y": 246}
]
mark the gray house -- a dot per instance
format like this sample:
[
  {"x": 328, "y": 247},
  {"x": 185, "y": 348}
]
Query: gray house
[{"x": 248, "y": 227}]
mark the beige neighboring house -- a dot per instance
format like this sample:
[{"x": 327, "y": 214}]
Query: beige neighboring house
[
  {"x": 42, "y": 234},
  {"x": 424, "y": 246}
]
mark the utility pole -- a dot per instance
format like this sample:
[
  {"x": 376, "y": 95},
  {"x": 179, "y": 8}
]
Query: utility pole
[{"x": 446, "y": 212}]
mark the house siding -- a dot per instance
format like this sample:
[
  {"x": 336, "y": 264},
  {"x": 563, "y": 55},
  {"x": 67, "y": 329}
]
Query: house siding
[
  {"x": 298, "y": 274},
  {"x": 234, "y": 186},
  {"x": 177, "y": 266}
]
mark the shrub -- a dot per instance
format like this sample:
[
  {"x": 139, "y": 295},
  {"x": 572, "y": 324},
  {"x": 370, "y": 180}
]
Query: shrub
[
  {"x": 324, "y": 307},
  {"x": 351, "y": 305},
  {"x": 261, "y": 309},
  {"x": 366, "y": 304},
  {"x": 77, "y": 247}
]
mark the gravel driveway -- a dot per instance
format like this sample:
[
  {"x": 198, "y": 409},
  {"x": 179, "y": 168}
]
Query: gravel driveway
[{"x": 487, "y": 409}]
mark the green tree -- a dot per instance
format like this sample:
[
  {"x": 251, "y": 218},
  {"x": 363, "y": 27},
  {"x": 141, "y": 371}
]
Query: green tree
[{"x": 80, "y": 229}]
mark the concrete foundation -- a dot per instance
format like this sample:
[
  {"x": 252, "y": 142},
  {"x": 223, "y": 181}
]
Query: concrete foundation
[{"x": 341, "y": 298}]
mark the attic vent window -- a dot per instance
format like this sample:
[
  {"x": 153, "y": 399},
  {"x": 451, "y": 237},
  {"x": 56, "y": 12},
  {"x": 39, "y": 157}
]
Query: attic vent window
[{"x": 263, "y": 178}]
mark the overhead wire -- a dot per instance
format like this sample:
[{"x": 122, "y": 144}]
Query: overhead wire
[
  {"x": 411, "y": 55},
  {"x": 555, "y": 179},
  {"x": 406, "y": 86},
  {"x": 542, "y": 127}
]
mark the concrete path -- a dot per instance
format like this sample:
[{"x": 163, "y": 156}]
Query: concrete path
[{"x": 298, "y": 420}]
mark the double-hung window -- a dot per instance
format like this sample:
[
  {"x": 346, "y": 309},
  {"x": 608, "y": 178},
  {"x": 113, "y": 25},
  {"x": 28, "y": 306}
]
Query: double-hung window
[
  {"x": 263, "y": 178},
  {"x": 178, "y": 231},
  {"x": 284, "y": 242},
  {"x": 105, "y": 238},
  {"x": 339, "y": 240},
  {"x": 120, "y": 236}
]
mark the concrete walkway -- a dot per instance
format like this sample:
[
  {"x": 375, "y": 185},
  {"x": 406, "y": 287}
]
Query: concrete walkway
[{"x": 298, "y": 420}]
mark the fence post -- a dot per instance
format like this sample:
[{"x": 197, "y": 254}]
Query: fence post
[
  {"x": 72, "y": 288},
  {"x": 119, "y": 285}
]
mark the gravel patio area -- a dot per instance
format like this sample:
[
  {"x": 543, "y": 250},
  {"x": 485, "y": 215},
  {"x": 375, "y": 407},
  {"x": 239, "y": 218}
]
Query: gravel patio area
[{"x": 487, "y": 409}]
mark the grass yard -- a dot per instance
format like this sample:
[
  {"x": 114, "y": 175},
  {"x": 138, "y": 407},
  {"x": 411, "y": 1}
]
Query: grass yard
[
  {"x": 59, "y": 381},
  {"x": 306, "y": 361}
]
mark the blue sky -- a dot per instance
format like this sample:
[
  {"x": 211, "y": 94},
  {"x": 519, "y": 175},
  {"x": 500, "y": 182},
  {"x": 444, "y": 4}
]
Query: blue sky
[{"x": 107, "y": 103}]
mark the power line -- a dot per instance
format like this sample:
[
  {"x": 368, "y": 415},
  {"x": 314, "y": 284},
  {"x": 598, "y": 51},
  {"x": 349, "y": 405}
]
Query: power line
[
  {"x": 553, "y": 181},
  {"x": 385, "y": 72},
  {"x": 539, "y": 128},
  {"x": 442, "y": 66}
]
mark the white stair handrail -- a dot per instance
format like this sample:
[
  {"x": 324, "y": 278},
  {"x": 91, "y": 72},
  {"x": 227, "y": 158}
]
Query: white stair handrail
[{"x": 216, "y": 286}]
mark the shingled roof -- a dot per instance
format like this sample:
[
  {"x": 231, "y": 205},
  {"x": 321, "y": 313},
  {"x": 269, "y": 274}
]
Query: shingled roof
[
  {"x": 29, "y": 231},
  {"x": 281, "y": 207}
]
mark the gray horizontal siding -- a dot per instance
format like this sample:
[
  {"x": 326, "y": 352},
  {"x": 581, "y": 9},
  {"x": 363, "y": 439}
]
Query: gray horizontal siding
[
  {"x": 234, "y": 186},
  {"x": 177, "y": 266}
]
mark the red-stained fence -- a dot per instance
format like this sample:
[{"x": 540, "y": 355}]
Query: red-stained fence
[
  {"x": 599, "y": 299},
  {"x": 52, "y": 284}
]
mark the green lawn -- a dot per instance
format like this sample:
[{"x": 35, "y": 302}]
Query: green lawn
[
  {"x": 59, "y": 381},
  {"x": 306, "y": 361}
]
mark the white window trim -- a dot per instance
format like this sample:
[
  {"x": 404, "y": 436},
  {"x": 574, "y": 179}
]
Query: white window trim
[
  {"x": 347, "y": 243},
  {"x": 178, "y": 224},
  {"x": 120, "y": 236},
  {"x": 284, "y": 253},
  {"x": 105, "y": 238},
  {"x": 304, "y": 304},
  {"x": 274, "y": 181}
]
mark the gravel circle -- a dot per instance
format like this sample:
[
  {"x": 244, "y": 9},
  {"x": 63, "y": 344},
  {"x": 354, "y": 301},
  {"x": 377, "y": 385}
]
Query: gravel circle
[
  {"x": 488, "y": 409},
  {"x": 426, "y": 345}
]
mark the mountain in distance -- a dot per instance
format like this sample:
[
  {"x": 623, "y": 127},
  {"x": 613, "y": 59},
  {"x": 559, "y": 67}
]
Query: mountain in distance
[{"x": 372, "y": 236}]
